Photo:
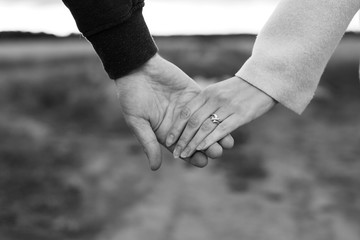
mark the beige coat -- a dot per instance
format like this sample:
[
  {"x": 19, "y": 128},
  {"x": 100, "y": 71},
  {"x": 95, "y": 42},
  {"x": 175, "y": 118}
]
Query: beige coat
[{"x": 292, "y": 50}]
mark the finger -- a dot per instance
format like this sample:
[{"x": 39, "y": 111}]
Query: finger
[
  {"x": 147, "y": 139},
  {"x": 198, "y": 159},
  {"x": 192, "y": 126},
  {"x": 223, "y": 129},
  {"x": 214, "y": 151},
  {"x": 184, "y": 115},
  {"x": 227, "y": 142},
  {"x": 205, "y": 129}
]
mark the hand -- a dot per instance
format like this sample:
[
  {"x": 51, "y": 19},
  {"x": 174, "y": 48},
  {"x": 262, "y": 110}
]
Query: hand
[
  {"x": 151, "y": 98},
  {"x": 234, "y": 101}
]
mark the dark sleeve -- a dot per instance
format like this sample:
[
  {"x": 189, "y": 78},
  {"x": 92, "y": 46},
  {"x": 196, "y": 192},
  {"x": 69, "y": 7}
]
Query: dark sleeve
[{"x": 117, "y": 31}]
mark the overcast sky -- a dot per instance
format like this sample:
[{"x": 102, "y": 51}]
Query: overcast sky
[{"x": 164, "y": 17}]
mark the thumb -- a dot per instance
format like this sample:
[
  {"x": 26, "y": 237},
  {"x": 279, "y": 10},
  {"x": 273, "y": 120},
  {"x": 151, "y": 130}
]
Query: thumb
[{"x": 148, "y": 140}]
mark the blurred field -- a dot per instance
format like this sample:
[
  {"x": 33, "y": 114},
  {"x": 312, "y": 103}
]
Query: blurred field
[{"x": 70, "y": 169}]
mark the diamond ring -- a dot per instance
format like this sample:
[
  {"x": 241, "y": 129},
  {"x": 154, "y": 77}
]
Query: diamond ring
[{"x": 215, "y": 119}]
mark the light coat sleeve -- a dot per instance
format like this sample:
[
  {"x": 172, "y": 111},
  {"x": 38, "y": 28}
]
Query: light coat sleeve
[{"x": 292, "y": 50}]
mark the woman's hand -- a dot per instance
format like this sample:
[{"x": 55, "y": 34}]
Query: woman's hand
[
  {"x": 151, "y": 97},
  {"x": 234, "y": 101}
]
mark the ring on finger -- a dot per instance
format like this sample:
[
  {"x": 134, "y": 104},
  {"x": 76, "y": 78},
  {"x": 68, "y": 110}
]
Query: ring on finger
[{"x": 215, "y": 119}]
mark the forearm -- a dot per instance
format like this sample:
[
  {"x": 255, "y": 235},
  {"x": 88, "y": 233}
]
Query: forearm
[
  {"x": 293, "y": 48},
  {"x": 117, "y": 31}
]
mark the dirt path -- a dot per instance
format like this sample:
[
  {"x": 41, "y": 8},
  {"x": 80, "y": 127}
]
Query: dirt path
[
  {"x": 197, "y": 205},
  {"x": 192, "y": 204}
]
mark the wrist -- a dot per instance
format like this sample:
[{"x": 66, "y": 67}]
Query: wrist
[
  {"x": 149, "y": 69},
  {"x": 271, "y": 99}
]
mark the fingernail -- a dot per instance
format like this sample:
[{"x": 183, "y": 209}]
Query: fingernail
[
  {"x": 177, "y": 152},
  {"x": 186, "y": 152},
  {"x": 201, "y": 146},
  {"x": 170, "y": 140}
]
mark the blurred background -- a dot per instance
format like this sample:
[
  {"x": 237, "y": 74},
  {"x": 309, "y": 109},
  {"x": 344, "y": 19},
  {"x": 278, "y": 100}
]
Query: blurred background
[{"x": 70, "y": 168}]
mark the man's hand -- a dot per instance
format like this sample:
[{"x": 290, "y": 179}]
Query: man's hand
[{"x": 151, "y": 98}]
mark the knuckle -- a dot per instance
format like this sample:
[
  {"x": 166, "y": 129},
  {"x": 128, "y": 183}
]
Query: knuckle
[
  {"x": 222, "y": 97},
  {"x": 181, "y": 142},
  {"x": 185, "y": 113},
  {"x": 223, "y": 127},
  {"x": 235, "y": 105},
  {"x": 191, "y": 146},
  {"x": 206, "y": 126},
  {"x": 193, "y": 122},
  {"x": 242, "y": 109}
]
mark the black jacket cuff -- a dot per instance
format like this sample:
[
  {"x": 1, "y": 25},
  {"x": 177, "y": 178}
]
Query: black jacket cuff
[{"x": 125, "y": 47}]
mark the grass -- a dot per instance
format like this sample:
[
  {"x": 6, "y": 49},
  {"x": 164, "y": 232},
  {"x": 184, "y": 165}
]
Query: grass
[
  {"x": 67, "y": 160},
  {"x": 59, "y": 145}
]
